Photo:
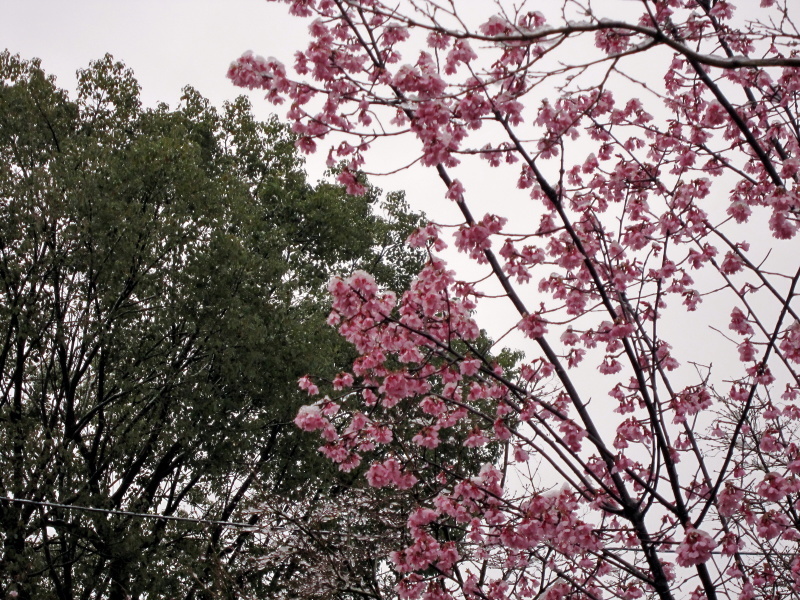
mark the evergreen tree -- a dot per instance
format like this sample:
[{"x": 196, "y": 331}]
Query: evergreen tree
[{"x": 162, "y": 278}]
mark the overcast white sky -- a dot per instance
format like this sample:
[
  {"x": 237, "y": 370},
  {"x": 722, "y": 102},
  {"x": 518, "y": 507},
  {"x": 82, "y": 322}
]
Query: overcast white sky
[
  {"x": 168, "y": 43},
  {"x": 171, "y": 43}
]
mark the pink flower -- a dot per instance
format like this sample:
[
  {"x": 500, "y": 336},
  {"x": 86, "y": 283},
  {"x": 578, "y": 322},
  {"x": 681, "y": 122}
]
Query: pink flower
[
  {"x": 772, "y": 524},
  {"x": 731, "y": 544},
  {"x": 496, "y": 25},
  {"x": 520, "y": 455},
  {"x": 462, "y": 52},
  {"x": 695, "y": 549},
  {"x": 729, "y": 500},
  {"x": 427, "y": 236},
  {"x": 390, "y": 473},
  {"x": 428, "y": 437},
  {"x": 305, "y": 383},
  {"x": 421, "y": 517},
  {"x": 747, "y": 352},
  {"x": 309, "y": 418},
  {"x": 469, "y": 367},
  {"x": 572, "y": 435},
  {"x": 455, "y": 191},
  {"x": 739, "y": 322},
  {"x": 790, "y": 344},
  {"x": 342, "y": 381},
  {"x": 690, "y": 401},
  {"x": 731, "y": 264},
  {"x": 612, "y": 41},
  {"x": 533, "y": 326},
  {"x": 476, "y": 439},
  {"x": 609, "y": 366},
  {"x": 774, "y": 487},
  {"x": 351, "y": 183}
]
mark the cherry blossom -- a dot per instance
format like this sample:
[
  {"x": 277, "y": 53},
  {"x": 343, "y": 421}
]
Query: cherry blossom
[
  {"x": 695, "y": 549},
  {"x": 644, "y": 441}
]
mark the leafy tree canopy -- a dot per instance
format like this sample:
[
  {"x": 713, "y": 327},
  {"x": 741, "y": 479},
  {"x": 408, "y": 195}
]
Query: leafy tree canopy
[
  {"x": 626, "y": 177},
  {"x": 161, "y": 291}
]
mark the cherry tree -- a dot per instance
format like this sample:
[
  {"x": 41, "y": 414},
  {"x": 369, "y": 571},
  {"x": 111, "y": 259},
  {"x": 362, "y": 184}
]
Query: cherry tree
[{"x": 651, "y": 436}]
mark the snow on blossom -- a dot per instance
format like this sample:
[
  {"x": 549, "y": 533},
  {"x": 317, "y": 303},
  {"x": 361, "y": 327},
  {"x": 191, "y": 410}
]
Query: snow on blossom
[
  {"x": 496, "y": 25},
  {"x": 252, "y": 71}
]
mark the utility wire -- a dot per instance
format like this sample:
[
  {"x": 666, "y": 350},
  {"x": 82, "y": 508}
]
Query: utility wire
[
  {"x": 127, "y": 513},
  {"x": 714, "y": 552},
  {"x": 234, "y": 524}
]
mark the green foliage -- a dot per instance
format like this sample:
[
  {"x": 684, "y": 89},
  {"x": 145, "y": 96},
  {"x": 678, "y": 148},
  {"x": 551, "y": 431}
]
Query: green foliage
[{"x": 161, "y": 290}]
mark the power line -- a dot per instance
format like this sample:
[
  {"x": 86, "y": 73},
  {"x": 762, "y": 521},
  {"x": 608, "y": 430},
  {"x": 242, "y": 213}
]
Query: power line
[
  {"x": 127, "y": 513},
  {"x": 713, "y": 553},
  {"x": 234, "y": 524}
]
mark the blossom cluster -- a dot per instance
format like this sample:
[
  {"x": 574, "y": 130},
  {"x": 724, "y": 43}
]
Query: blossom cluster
[{"x": 634, "y": 206}]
